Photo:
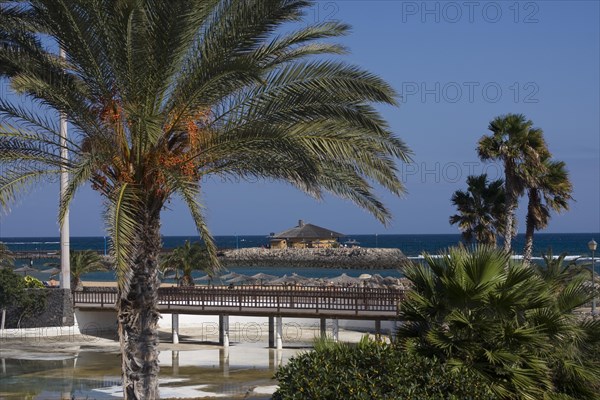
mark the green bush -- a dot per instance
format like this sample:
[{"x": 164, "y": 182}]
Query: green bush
[
  {"x": 11, "y": 288},
  {"x": 21, "y": 293},
  {"x": 512, "y": 325},
  {"x": 373, "y": 370}
]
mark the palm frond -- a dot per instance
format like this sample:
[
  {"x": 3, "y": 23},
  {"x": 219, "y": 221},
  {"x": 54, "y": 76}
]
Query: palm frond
[
  {"x": 121, "y": 212},
  {"x": 190, "y": 194}
]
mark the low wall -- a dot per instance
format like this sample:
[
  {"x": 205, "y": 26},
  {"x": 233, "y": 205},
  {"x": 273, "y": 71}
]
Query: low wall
[
  {"x": 58, "y": 312},
  {"x": 95, "y": 323},
  {"x": 350, "y": 258}
]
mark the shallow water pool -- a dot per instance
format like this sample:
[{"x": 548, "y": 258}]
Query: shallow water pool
[{"x": 240, "y": 372}]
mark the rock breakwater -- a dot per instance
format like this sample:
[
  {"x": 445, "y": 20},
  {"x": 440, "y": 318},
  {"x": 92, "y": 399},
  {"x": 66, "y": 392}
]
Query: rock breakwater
[{"x": 350, "y": 258}]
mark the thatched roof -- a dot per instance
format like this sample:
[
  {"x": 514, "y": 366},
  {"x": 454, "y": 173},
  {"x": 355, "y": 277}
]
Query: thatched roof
[{"x": 307, "y": 231}]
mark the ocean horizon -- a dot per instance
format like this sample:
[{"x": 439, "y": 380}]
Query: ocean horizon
[{"x": 412, "y": 245}]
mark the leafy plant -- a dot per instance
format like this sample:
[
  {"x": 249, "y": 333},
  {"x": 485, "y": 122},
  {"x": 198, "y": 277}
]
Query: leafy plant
[
  {"x": 12, "y": 288},
  {"x": 556, "y": 271},
  {"x": 373, "y": 370},
  {"x": 500, "y": 320},
  {"x": 24, "y": 295}
]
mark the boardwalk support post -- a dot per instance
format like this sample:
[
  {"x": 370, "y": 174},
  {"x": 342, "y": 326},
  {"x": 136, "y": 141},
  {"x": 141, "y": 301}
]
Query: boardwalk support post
[
  {"x": 271, "y": 332},
  {"x": 323, "y": 327},
  {"x": 336, "y": 329},
  {"x": 175, "y": 327},
  {"x": 224, "y": 330},
  {"x": 278, "y": 333},
  {"x": 394, "y": 330},
  {"x": 378, "y": 328}
]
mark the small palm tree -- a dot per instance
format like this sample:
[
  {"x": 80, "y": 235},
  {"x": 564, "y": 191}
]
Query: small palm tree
[
  {"x": 188, "y": 258},
  {"x": 551, "y": 191},
  {"x": 480, "y": 210},
  {"x": 520, "y": 147},
  {"x": 500, "y": 320},
  {"x": 554, "y": 270},
  {"x": 82, "y": 262}
]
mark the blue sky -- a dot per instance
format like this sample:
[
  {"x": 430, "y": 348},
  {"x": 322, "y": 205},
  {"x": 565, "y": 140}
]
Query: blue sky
[{"x": 457, "y": 65}]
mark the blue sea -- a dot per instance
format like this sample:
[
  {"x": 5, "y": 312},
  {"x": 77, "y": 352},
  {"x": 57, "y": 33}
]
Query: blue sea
[{"x": 574, "y": 244}]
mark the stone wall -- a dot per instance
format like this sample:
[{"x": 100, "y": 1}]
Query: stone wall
[
  {"x": 58, "y": 311},
  {"x": 351, "y": 258}
]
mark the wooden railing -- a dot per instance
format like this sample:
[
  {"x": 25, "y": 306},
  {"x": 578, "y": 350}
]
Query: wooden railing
[{"x": 275, "y": 298}]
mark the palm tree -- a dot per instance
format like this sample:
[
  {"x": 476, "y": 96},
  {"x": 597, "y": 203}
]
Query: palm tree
[
  {"x": 82, "y": 262},
  {"x": 160, "y": 95},
  {"x": 551, "y": 191},
  {"x": 520, "y": 147},
  {"x": 506, "y": 325},
  {"x": 187, "y": 258},
  {"x": 480, "y": 209}
]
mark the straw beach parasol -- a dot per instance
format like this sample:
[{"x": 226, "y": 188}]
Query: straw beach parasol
[
  {"x": 262, "y": 277},
  {"x": 241, "y": 278},
  {"x": 344, "y": 279},
  {"x": 205, "y": 278},
  {"x": 285, "y": 280},
  {"x": 51, "y": 271},
  {"x": 229, "y": 276},
  {"x": 26, "y": 270}
]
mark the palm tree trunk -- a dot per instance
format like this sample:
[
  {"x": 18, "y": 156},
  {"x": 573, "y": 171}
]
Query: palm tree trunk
[
  {"x": 530, "y": 225},
  {"x": 138, "y": 316},
  {"x": 511, "y": 206}
]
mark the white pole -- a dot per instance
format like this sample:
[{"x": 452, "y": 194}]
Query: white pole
[
  {"x": 224, "y": 330},
  {"x": 278, "y": 333},
  {"x": 175, "y": 327},
  {"x": 65, "y": 266}
]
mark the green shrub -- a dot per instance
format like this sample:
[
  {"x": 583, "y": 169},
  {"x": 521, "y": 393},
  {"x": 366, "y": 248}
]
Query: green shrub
[
  {"x": 11, "y": 288},
  {"x": 373, "y": 370},
  {"x": 513, "y": 326},
  {"x": 22, "y": 294}
]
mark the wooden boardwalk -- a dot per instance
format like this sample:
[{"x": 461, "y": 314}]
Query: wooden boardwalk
[{"x": 291, "y": 301}]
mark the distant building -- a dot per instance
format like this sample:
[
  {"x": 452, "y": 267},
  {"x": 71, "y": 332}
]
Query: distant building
[{"x": 305, "y": 236}]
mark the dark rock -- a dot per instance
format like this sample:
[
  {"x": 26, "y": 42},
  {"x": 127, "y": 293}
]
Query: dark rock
[{"x": 350, "y": 258}]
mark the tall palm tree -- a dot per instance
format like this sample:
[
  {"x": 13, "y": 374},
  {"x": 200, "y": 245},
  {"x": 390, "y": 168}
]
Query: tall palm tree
[
  {"x": 520, "y": 147},
  {"x": 161, "y": 94},
  {"x": 187, "y": 258},
  {"x": 82, "y": 262},
  {"x": 550, "y": 191},
  {"x": 506, "y": 325},
  {"x": 480, "y": 209}
]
